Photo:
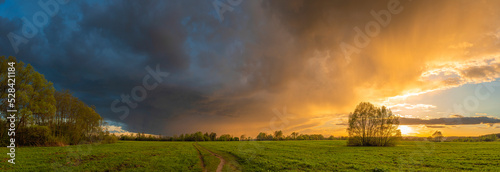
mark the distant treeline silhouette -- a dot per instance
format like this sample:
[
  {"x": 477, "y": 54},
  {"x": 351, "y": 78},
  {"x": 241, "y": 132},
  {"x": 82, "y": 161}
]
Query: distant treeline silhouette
[
  {"x": 199, "y": 136},
  {"x": 485, "y": 138}
]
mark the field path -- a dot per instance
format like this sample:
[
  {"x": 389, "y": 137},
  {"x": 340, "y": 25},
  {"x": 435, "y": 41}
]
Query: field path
[
  {"x": 201, "y": 158},
  {"x": 222, "y": 160}
]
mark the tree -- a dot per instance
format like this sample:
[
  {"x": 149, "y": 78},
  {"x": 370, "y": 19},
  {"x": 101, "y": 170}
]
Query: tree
[
  {"x": 34, "y": 95},
  {"x": 488, "y": 138},
  {"x": 262, "y": 136},
  {"x": 294, "y": 135},
  {"x": 225, "y": 137},
  {"x": 75, "y": 120},
  {"x": 437, "y": 136},
  {"x": 373, "y": 126},
  {"x": 213, "y": 136},
  {"x": 269, "y": 137},
  {"x": 206, "y": 136},
  {"x": 278, "y": 135},
  {"x": 198, "y": 136},
  {"x": 242, "y": 137},
  {"x": 41, "y": 109}
]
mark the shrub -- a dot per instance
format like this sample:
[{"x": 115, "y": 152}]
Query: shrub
[
  {"x": 34, "y": 135},
  {"x": 109, "y": 139},
  {"x": 57, "y": 141},
  {"x": 373, "y": 126}
]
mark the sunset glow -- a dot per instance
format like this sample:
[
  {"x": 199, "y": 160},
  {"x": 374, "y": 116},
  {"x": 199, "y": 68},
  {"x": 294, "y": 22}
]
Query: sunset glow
[{"x": 405, "y": 130}]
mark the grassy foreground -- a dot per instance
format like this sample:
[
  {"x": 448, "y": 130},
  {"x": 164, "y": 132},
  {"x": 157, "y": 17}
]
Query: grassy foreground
[
  {"x": 258, "y": 156},
  {"x": 334, "y": 155},
  {"x": 121, "y": 156}
]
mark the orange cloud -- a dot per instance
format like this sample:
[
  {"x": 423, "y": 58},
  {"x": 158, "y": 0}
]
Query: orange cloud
[{"x": 291, "y": 57}]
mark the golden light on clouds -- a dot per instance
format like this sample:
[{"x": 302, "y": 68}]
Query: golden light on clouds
[
  {"x": 293, "y": 59},
  {"x": 429, "y": 47}
]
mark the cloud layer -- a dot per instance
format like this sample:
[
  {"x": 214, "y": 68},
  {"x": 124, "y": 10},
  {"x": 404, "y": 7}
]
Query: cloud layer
[
  {"x": 229, "y": 76},
  {"x": 450, "y": 121}
]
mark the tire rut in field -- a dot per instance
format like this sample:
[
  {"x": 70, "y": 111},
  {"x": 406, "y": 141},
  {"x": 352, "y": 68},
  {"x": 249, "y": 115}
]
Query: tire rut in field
[
  {"x": 201, "y": 158},
  {"x": 222, "y": 160}
]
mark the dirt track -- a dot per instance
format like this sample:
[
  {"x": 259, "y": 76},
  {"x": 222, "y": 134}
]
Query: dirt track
[{"x": 222, "y": 160}]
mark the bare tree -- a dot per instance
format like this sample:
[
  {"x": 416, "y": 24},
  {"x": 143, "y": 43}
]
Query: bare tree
[{"x": 373, "y": 126}]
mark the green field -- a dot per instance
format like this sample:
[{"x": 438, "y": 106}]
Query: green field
[{"x": 258, "y": 156}]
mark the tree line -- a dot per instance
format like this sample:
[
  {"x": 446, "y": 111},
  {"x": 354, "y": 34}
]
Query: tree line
[
  {"x": 368, "y": 126},
  {"x": 438, "y": 137},
  {"x": 46, "y": 116},
  {"x": 485, "y": 138},
  {"x": 200, "y": 136},
  {"x": 278, "y": 135}
]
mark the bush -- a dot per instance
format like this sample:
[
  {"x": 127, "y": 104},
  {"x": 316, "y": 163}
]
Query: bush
[
  {"x": 488, "y": 138},
  {"x": 4, "y": 137},
  {"x": 57, "y": 141},
  {"x": 373, "y": 126},
  {"x": 109, "y": 139},
  {"x": 34, "y": 135}
]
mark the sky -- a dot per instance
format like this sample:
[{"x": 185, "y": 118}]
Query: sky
[{"x": 244, "y": 67}]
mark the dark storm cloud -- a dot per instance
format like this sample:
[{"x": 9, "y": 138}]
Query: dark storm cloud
[
  {"x": 142, "y": 27},
  {"x": 450, "y": 121},
  {"x": 7, "y": 26},
  {"x": 99, "y": 51}
]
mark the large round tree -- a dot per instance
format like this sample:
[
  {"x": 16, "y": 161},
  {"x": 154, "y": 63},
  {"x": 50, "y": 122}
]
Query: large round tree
[{"x": 373, "y": 126}]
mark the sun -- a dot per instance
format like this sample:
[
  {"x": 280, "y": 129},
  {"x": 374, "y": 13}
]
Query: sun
[{"x": 405, "y": 130}]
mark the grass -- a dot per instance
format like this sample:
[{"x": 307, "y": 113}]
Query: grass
[
  {"x": 121, "y": 156},
  {"x": 334, "y": 155},
  {"x": 258, "y": 156},
  {"x": 231, "y": 161},
  {"x": 210, "y": 161}
]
